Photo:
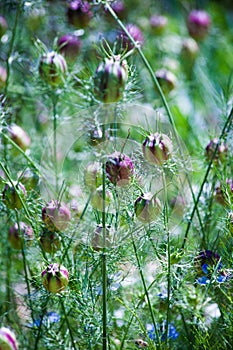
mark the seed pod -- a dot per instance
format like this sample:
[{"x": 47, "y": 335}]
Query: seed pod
[
  {"x": 198, "y": 24},
  {"x": 7, "y": 339},
  {"x": 55, "y": 278},
  {"x": 157, "y": 148},
  {"x": 79, "y": 13},
  {"x": 19, "y": 136},
  {"x": 97, "y": 241},
  {"x": 18, "y": 236},
  {"x": 3, "y": 77},
  {"x": 135, "y": 32},
  {"x": 119, "y": 169},
  {"x": 166, "y": 79},
  {"x": 97, "y": 200},
  {"x": 56, "y": 216},
  {"x": 3, "y": 26},
  {"x": 221, "y": 152},
  {"x": 189, "y": 50},
  {"x": 69, "y": 45},
  {"x": 110, "y": 79},
  {"x": 53, "y": 68},
  {"x": 97, "y": 135},
  {"x": 118, "y": 7},
  {"x": 223, "y": 192},
  {"x": 158, "y": 24},
  {"x": 11, "y": 196},
  {"x": 93, "y": 175},
  {"x": 50, "y": 241},
  {"x": 147, "y": 207}
]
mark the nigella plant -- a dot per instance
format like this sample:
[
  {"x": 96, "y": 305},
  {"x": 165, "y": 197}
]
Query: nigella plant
[{"x": 172, "y": 333}]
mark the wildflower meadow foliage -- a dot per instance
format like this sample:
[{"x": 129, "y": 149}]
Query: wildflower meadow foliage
[{"x": 116, "y": 182}]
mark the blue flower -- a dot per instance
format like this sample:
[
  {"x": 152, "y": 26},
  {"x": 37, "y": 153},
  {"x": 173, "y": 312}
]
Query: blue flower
[
  {"x": 172, "y": 332},
  {"x": 50, "y": 317}
]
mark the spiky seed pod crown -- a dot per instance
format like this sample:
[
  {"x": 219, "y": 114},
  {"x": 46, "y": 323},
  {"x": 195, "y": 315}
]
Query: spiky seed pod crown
[
  {"x": 221, "y": 152},
  {"x": 7, "y": 339},
  {"x": 55, "y": 278},
  {"x": 198, "y": 24},
  {"x": 53, "y": 68},
  {"x": 110, "y": 79},
  {"x": 18, "y": 234},
  {"x": 11, "y": 195},
  {"x": 157, "y": 148},
  {"x": 56, "y": 215},
  {"x": 119, "y": 169},
  {"x": 147, "y": 207}
]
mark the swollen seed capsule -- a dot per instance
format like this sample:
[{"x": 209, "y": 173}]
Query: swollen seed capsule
[
  {"x": 97, "y": 200},
  {"x": 53, "y": 68},
  {"x": 110, "y": 79},
  {"x": 157, "y": 148},
  {"x": 198, "y": 24},
  {"x": 93, "y": 175},
  {"x": 7, "y": 339},
  {"x": 221, "y": 152},
  {"x": 166, "y": 79},
  {"x": 55, "y": 278},
  {"x": 79, "y": 13},
  {"x": 119, "y": 169},
  {"x": 11, "y": 195},
  {"x": 18, "y": 235},
  {"x": 158, "y": 24},
  {"x": 56, "y": 216},
  {"x": 136, "y": 34},
  {"x": 147, "y": 207},
  {"x": 50, "y": 241},
  {"x": 19, "y": 136},
  {"x": 69, "y": 45}
]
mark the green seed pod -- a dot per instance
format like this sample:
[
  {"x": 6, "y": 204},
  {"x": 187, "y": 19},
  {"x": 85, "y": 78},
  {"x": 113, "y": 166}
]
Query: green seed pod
[
  {"x": 53, "y": 68},
  {"x": 157, "y": 148},
  {"x": 55, "y": 278},
  {"x": 147, "y": 207},
  {"x": 50, "y": 241},
  {"x": 19, "y": 136},
  {"x": 110, "y": 79},
  {"x": 11, "y": 195},
  {"x": 56, "y": 216},
  {"x": 18, "y": 235},
  {"x": 93, "y": 175}
]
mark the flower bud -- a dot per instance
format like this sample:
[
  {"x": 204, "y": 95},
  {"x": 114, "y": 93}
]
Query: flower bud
[
  {"x": 56, "y": 216},
  {"x": 53, "y": 68},
  {"x": 110, "y": 79},
  {"x": 7, "y": 339},
  {"x": 3, "y": 26},
  {"x": 55, "y": 278},
  {"x": 93, "y": 175},
  {"x": 166, "y": 79},
  {"x": 198, "y": 24},
  {"x": 157, "y": 148},
  {"x": 3, "y": 77},
  {"x": 79, "y": 13},
  {"x": 147, "y": 207},
  {"x": 19, "y": 136},
  {"x": 11, "y": 195},
  {"x": 189, "y": 50},
  {"x": 158, "y": 23},
  {"x": 97, "y": 200},
  {"x": 136, "y": 34},
  {"x": 119, "y": 8},
  {"x": 119, "y": 169},
  {"x": 18, "y": 236},
  {"x": 50, "y": 241},
  {"x": 224, "y": 192},
  {"x": 69, "y": 45},
  {"x": 221, "y": 152}
]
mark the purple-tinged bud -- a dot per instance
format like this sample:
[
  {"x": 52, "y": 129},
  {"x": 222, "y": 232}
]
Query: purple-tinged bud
[
  {"x": 167, "y": 80},
  {"x": 50, "y": 241},
  {"x": 30, "y": 179},
  {"x": 206, "y": 259},
  {"x": 3, "y": 26},
  {"x": 147, "y": 207},
  {"x": 11, "y": 195},
  {"x": 110, "y": 79},
  {"x": 141, "y": 344},
  {"x": 157, "y": 148},
  {"x": 93, "y": 175},
  {"x": 158, "y": 24},
  {"x": 55, "y": 278},
  {"x": 7, "y": 339},
  {"x": 53, "y": 68},
  {"x": 79, "y": 13},
  {"x": 56, "y": 216},
  {"x": 97, "y": 241},
  {"x": 198, "y": 24},
  {"x": 224, "y": 192},
  {"x": 97, "y": 200},
  {"x": 119, "y": 8},
  {"x": 3, "y": 77},
  {"x": 189, "y": 50},
  {"x": 19, "y": 136},
  {"x": 69, "y": 45},
  {"x": 119, "y": 169},
  {"x": 221, "y": 152},
  {"x": 135, "y": 33},
  {"x": 20, "y": 236}
]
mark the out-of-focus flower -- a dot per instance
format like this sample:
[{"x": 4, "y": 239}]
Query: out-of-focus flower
[{"x": 161, "y": 328}]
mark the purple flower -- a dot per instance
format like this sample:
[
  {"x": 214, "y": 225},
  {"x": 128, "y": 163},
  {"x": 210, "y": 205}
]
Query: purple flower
[
  {"x": 135, "y": 33},
  {"x": 198, "y": 24}
]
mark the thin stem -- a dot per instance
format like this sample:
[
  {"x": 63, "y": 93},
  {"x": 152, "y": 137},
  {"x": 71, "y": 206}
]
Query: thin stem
[
  {"x": 54, "y": 101},
  {"x": 104, "y": 263},
  {"x": 68, "y": 324}
]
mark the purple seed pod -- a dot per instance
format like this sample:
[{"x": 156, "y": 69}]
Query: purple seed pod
[
  {"x": 206, "y": 260},
  {"x": 110, "y": 79},
  {"x": 97, "y": 241},
  {"x": 135, "y": 33},
  {"x": 93, "y": 175},
  {"x": 224, "y": 192},
  {"x": 50, "y": 241},
  {"x": 69, "y": 45},
  {"x": 147, "y": 207},
  {"x": 198, "y": 24},
  {"x": 56, "y": 216},
  {"x": 53, "y": 68},
  {"x": 11, "y": 196},
  {"x": 158, "y": 24},
  {"x": 3, "y": 77},
  {"x": 79, "y": 13},
  {"x": 221, "y": 153},
  {"x": 3, "y": 26},
  {"x": 97, "y": 200},
  {"x": 55, "y": 278},
  {"x": 18, "y": 236},
  {"x": 118, "y": 7},
  {"x": 166, "y": 79},
  {"x": 19, "y": 136},
  {"x": 7, "y": 339},
  {"x": 157, "y": 148},
  {"x": 119, "y": 169}
]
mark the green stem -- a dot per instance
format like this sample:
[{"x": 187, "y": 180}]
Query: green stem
[
  {"x": 104, "y": 263},
  {"x": 54, "y": 101},
  {"x": 68, "y": 325}
]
